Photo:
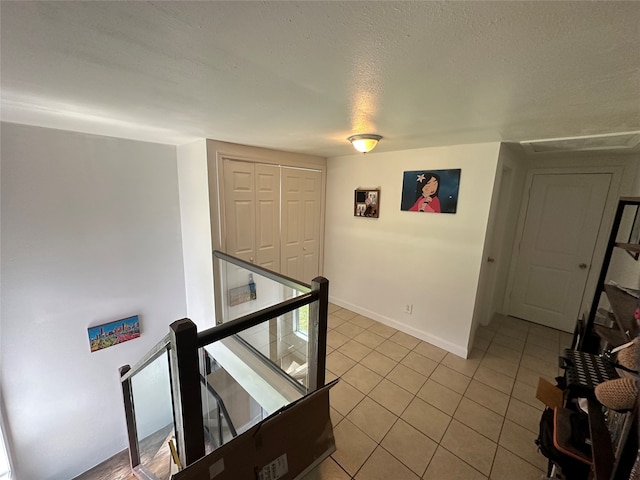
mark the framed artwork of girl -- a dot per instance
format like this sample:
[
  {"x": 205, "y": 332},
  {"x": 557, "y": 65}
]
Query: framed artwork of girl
[{"x": 430, "y": 191}]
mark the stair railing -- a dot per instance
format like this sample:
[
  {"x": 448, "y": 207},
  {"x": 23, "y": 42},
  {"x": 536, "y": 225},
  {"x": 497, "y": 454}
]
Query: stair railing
[{"x": 182, "y": 346}]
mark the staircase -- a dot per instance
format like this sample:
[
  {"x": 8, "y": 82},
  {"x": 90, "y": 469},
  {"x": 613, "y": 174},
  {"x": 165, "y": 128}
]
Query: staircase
[{"x": 203, "y": 389}]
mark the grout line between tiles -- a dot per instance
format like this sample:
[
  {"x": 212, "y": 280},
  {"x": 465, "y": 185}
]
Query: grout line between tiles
[{"x": 483, "y": 354}]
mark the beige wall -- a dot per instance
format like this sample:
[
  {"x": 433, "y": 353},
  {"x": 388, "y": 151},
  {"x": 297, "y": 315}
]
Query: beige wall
[
  {"x": 198, "y": 169},
  {"x": 624, "y": 169},
  {"x": 196, "y": 232},
  {"x": 90, "y": 234},
  {"x": 377, "y": 266}
]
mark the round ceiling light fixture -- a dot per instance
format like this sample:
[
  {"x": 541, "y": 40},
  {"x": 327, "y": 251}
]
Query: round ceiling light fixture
[{"x": 365, "y": 142}]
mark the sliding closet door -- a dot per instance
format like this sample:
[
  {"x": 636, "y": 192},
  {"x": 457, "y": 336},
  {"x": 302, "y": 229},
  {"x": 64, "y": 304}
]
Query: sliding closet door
[
  {"x": 268, "y": 216},
  {"x": 239, "y": 209},
  {"x": 251, "y": 212},
  {"x": 272, "y": 216},
  {"x": 301, "y": 216}
]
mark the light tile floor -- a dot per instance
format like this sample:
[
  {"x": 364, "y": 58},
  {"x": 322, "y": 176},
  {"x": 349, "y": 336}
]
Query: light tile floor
[{"x": 406, "y": 409}]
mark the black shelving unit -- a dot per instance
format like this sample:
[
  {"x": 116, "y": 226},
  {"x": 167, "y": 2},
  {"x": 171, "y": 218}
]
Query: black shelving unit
[
  {"x": 622, "y": 305},
  {"x": 613, "y": 461}
]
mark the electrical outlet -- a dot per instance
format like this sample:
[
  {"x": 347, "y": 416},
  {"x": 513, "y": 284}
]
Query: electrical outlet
[{"x": 408, "y": 308}]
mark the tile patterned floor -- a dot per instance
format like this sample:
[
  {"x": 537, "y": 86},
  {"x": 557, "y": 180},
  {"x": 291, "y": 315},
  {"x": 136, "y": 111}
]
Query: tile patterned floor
[{"x": 405, "y": 409}]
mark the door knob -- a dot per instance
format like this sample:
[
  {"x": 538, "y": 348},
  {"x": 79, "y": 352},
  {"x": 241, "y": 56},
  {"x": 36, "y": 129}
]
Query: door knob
[
  {"x": 582, "y": 266},
  {"x": 251, "y": 259},
  {"x": 491, "y": 259}
]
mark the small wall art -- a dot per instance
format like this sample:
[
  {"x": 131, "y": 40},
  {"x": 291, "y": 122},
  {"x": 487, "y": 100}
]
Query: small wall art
[
  {"x": 366, "y": 203},
  {"x": 243, "y": 293},
  {"x": 432, "y": 191},
  {"x": 113, "y": 333}
]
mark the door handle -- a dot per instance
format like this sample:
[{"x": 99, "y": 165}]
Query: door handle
[
  {"x": 491, "y": 259},
  {"x": 251, "y": 259},
  {"x": 582, "y": 266}
]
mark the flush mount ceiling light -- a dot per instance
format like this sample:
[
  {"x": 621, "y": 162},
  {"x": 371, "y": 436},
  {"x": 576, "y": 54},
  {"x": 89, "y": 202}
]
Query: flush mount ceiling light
[{"x": 364, "y": 142}]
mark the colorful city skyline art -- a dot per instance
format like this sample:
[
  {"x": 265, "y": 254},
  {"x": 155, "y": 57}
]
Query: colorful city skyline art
[{"x": 113, "y": 333}]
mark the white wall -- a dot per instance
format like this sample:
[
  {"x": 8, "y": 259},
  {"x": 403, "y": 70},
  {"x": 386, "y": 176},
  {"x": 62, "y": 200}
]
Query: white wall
[
  {"x": 90, "y": 234},
  {"x": 196, "y": 232},
  {"x": 623, "y": 170},
  {"x": 376, "y": 266},
  {"x": 494, "y": 244},
  {"x": 507, "y": 212}
]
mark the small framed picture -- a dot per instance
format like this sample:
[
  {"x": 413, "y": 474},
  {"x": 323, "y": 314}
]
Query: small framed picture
[
  {"x": 366, "y": 203},
  {"x": 113, "y": 333}
]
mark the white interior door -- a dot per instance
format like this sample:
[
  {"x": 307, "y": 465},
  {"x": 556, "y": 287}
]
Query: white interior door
[
  {"x": 301, "y": 197},
  {"x": 239, "y": 209},
  {"x": 252, "y": 212},
  {"x": 559, "y": 235},
  {"x": 272, "y": 216},
  {"x": 267, "y": 188}
]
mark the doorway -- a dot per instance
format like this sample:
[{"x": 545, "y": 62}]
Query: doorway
[
  {"x": 301, "y": 195},
  {"x": 558, "y": 239},
  {"x": 272, "y": 216}
]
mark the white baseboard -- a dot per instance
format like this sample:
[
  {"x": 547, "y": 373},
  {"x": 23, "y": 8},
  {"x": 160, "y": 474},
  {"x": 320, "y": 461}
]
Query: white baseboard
[{"x": 456, "y": 349}]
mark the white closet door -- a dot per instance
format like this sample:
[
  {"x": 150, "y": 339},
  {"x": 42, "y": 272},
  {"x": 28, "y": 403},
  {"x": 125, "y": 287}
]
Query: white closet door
[
  {"x": 240, "y": 209},
  {"x": 252, "y": 212},
  {"x": 301, "y": 197},
  {"x": 267, "y": 188}
]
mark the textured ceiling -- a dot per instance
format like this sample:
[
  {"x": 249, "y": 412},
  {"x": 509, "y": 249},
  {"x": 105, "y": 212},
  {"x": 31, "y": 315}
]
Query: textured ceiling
[{"x": 303, "y": 76}]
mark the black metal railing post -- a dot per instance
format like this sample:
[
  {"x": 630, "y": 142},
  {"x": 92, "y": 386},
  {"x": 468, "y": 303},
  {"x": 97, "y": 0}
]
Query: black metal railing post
[
  {"x": 589, "y": 341},
  {"x": 130, "y": 417},
  {"x": 318, "y": 312},
  {"x": 187, "y": 398}
]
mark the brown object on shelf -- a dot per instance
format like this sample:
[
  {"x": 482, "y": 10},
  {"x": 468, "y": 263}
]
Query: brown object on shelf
[
  {"x": 629, "y": 247},
  {"x": 618, "y": 394},
  {"x": 549, "y": 394},
  {"x": 613, "y": 336},
  {"x": 628, "y": 357},
  {"x": 623, "y": 306}
]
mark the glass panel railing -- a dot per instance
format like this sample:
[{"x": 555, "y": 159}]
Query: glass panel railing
[
  {"x": 154, "y": 426},
  {"x": 284, "y": 342},
  {"x": 243, "y": 290},
  {"x": 287, "y": 342},
  {"x": 228, "y": 409},
  {"x": 218, "y": 423},
  {"x": 266, "y": 351},
  {"x": 5, "y": 467},
  {"x": 241, "y": 387}
]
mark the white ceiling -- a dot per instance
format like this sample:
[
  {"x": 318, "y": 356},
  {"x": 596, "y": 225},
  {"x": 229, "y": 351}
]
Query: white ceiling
[{"x": 303, "y": 76}]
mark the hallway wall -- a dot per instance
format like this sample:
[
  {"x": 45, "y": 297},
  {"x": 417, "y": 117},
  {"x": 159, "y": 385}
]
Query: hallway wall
[
  {"x": 377, "y": 266},
  {"x": 90, "y": 234},
  {"x": 196, "y": 232},
  {"x": 498, "y": 243},
  {"x": 624, "y": 171}
]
